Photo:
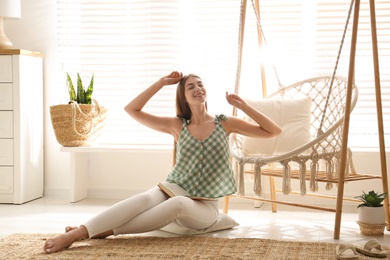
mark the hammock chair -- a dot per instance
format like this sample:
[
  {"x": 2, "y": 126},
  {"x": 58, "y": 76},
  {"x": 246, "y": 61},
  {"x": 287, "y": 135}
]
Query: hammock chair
[{"x": 317, "y": 157}]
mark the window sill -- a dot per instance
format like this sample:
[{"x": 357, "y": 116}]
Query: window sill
[{"x": 114, "y": 148}]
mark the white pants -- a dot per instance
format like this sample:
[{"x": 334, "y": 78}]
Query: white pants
[{"x": 152, "y": 210}]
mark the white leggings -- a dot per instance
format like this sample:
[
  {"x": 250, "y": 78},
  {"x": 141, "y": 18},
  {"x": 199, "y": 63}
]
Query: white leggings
[{"x": 152, "y": 210}]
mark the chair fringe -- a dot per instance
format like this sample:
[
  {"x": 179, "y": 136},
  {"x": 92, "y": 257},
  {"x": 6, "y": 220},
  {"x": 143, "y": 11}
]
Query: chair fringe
[
  {"x": 257, "y": 187},
  {"x": 350, "y": 161},
  {"x": 337, "y": 167},
  {"x": 286, "y": 188},
  {"x": 329, "y": 173},
  {"x": 313, "y": 172},
  {"x": 332, "y": 162},
  {"x": 302, "y": 178},
  {"x": 241, "y": 180}
]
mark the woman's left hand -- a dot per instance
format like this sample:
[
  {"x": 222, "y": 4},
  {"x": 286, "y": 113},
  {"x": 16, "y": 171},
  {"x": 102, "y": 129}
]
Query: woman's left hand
[{"x": 235, "y": 100}]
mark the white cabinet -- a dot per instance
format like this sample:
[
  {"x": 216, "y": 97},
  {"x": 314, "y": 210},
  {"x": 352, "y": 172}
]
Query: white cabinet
[{"x": 21, "y": 126}]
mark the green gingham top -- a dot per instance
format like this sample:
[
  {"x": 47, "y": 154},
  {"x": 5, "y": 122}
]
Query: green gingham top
[{"x": 203, "y": 168}]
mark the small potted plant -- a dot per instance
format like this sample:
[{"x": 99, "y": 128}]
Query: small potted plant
[
  {"x": 371, "y": 213},
  {"x": 83, "y": 95},
  {"x": 79, "y": 122}
]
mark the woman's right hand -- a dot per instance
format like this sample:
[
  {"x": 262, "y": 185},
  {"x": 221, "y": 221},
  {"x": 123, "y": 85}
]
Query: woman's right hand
[
  {"x": 235, "y": 100},
  {"x": 173, "y": 78}
]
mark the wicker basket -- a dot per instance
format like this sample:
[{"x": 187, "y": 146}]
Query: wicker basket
[
  {"x": 371, "y": 229},
  {"x": 77, "y": 124}
]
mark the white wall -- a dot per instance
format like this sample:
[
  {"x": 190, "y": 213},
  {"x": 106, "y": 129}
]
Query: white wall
[{"x": 116, "y": 174}]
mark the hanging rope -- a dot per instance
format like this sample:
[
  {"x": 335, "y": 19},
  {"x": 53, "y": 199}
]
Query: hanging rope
[
  {"x": 320, "y": 132},
  {"x": 239, "y": 52},
  {"x": 281, "y": 86}
]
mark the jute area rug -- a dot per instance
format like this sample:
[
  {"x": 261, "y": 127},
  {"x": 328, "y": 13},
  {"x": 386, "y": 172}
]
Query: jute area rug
[{"x": 29, "y": 246}]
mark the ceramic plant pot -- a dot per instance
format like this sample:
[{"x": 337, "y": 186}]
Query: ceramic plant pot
[
  {"x": 371, "y": 215},
  {"x": 371, "y": 220}
]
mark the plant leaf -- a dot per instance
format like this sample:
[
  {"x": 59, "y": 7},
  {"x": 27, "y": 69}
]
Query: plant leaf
[
  {"x": 80, "y": 90},
  {"x": 72, "y": 92},
  {"x": 88, "y": 92}
]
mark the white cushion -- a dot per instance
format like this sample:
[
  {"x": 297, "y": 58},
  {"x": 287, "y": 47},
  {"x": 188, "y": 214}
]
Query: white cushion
[
  {"x": 292, "y": 115},
  {"x": 223, "y": 222}
]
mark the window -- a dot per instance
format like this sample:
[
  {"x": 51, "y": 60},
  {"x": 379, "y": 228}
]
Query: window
[{"x": 128, "y": 45}]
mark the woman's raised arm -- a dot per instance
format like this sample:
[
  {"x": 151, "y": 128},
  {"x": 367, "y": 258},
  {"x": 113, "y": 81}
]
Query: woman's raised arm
[
  {"x": 265, "y": 127},
  {"x": 134, "y": 108}
]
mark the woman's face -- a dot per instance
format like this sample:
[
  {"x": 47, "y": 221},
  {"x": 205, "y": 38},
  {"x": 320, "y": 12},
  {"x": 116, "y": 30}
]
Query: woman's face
[{"x": 195, "y": 93}]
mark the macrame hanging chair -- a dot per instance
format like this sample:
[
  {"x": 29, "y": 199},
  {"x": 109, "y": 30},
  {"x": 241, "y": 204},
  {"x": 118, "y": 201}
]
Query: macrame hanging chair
[{"x": 319, "y": 158}]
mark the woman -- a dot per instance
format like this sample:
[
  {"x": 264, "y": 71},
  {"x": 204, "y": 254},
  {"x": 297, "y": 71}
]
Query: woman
[{"x": 202, "y": 165}]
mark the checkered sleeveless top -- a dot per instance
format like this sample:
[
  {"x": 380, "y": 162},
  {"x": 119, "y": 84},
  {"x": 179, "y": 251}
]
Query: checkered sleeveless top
[{"x": 203, "y": 168}]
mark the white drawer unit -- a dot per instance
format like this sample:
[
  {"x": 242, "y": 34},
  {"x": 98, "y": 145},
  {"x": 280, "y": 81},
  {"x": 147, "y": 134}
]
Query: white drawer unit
[
  {"x": 6, "y": 96},
  {"x": 6, "y": 180},
  {"x": 21, "y": 126},
  {"x": 5, "y": 68},
  {"x": 6, "y": 152},
  {"x": 6, "y": 124}
]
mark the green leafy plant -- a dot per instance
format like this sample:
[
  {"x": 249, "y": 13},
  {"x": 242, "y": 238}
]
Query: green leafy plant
[
  {"x": 371, "y": 199},
  {"x": 82, "y": 95}
]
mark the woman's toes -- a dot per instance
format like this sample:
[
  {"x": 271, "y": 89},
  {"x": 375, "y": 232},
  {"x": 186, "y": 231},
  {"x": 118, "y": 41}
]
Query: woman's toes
[
  {"x": 69, "y": 228},
  {"x": 47, "y": 246}
]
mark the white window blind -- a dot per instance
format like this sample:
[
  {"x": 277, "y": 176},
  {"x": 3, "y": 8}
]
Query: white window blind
[{"x": 130, "y": 44}]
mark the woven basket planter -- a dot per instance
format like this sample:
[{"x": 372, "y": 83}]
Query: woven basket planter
[
  {"x": 77, "y": 124},
  {"x": 371, "y": 220},
  {"x": 371, "y": 229}
]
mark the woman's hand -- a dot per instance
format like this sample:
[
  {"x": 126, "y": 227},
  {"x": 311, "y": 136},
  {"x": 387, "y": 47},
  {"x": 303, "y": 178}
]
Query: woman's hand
[
  {"x": 173, "y": 78},
  {"x": 265, "y": 127},
  {"x": 235, "y": 100}
]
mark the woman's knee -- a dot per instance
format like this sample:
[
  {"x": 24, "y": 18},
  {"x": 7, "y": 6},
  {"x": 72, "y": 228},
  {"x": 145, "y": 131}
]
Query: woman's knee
[
  {"x": 148, "y": 198},
  {"x": 181, "y": 203},
  {"x": 193, "y": 214}
]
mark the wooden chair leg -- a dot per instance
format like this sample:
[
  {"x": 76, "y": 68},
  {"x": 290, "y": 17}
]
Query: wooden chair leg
[
  {"x": 226, "y": 204},
  {"x": 273, "y": 193}
]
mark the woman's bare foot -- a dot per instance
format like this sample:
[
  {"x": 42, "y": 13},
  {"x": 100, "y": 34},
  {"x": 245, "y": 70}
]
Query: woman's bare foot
[{"x": 65, "y": 240}]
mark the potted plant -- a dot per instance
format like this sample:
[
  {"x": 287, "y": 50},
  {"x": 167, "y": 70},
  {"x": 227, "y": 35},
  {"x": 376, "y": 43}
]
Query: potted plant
[
  {"x": 371, "y": 213},
  {"x": 79, "y": 122},
  {"x": 83, "y": 95}
]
